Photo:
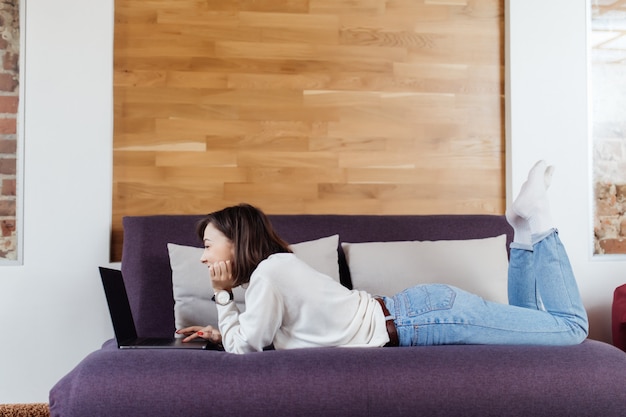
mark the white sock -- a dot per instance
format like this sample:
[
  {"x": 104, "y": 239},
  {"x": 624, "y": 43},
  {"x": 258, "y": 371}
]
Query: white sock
[
  {"x": 532, "y": 202},
  {"x": 521, "y": 229}
]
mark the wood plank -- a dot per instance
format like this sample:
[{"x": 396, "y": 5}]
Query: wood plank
[{"x": 308, "y": 106}]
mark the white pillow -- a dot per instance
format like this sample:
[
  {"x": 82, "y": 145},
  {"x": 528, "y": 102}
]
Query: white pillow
[
  {"x": 479, "y": 266},
  {"x": 321, "y": 254},
  {"x": 192, "y": 287}
]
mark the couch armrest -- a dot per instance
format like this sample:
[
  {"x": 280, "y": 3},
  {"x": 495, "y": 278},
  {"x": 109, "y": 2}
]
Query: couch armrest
[{"x": 619, "y": 317}]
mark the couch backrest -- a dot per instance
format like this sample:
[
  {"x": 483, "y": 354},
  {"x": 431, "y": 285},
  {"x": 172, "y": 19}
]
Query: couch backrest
[{"x": 148, "y": 276}]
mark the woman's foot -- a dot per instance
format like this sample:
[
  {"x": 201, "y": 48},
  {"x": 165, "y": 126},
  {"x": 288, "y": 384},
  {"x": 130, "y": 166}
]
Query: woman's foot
[{"x": 532, "y": 202}]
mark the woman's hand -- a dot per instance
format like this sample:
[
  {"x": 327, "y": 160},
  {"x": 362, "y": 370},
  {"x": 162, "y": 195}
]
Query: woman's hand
[
  {"x": 221, "y": 275},
  {"x": 209, "y": 333}
]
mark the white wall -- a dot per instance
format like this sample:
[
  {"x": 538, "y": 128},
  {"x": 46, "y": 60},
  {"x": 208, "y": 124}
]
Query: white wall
[
  {"x": 52, "y": 311},
  {"x": 548, "y": 119}
]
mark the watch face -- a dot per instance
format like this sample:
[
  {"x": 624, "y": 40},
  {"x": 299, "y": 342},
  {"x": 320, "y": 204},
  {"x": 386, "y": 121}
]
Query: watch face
[{"x": 222, "y": 297}]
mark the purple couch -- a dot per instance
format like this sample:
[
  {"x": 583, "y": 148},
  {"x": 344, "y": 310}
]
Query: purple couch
[{"x": 584, "y": 380}]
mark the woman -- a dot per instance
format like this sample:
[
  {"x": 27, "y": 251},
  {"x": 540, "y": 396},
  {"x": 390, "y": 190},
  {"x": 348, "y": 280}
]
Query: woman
[{"x": 291, "y": 305}]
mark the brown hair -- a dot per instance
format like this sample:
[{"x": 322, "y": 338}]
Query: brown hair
[{"x": 252, "y": 235}]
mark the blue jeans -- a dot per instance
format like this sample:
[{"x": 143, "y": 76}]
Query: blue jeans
[{"x": 544, "y": 307}]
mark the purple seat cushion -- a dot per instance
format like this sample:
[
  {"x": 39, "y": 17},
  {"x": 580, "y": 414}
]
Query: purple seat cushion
[{"x": 582, "y": 380}]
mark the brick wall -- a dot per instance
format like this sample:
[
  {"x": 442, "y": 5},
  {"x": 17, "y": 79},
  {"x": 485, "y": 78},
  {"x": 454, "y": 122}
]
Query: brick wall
[
  {"x": 610, "y": 220},
  {"x": 9, "y": 98}
]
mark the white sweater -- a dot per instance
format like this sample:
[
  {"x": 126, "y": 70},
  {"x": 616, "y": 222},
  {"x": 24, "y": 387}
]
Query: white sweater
[{"x": 291, "y": 305}]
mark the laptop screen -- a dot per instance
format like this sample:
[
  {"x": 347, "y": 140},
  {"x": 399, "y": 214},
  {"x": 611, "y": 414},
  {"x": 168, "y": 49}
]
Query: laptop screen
[{"x": 119, "y": 307}]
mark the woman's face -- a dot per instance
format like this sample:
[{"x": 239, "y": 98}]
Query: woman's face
[{"x": 217, "y": 247}]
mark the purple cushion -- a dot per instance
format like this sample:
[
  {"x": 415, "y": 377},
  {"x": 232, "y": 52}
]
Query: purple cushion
[{"x": 582, "y": 380}]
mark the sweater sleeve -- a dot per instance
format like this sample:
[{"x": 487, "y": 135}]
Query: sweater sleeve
[{"x": 254, "y": 329}]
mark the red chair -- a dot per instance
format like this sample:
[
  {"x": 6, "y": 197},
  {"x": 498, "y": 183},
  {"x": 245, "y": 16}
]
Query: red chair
[{"x": 619, "y": 317}]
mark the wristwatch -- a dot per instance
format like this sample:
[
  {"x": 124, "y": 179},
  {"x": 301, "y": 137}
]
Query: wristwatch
[{"x": 223, "y": 297}]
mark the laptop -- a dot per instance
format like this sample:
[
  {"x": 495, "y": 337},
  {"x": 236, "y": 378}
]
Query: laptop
[{"x": 124, "y": 325}]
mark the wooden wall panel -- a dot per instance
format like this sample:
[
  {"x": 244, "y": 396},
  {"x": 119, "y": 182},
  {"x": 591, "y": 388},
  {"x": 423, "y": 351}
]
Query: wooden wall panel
[{"x": 308, "y": 106}]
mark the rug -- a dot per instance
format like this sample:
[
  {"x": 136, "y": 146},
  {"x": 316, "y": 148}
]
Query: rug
[{"x": 24, "y": 410}]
